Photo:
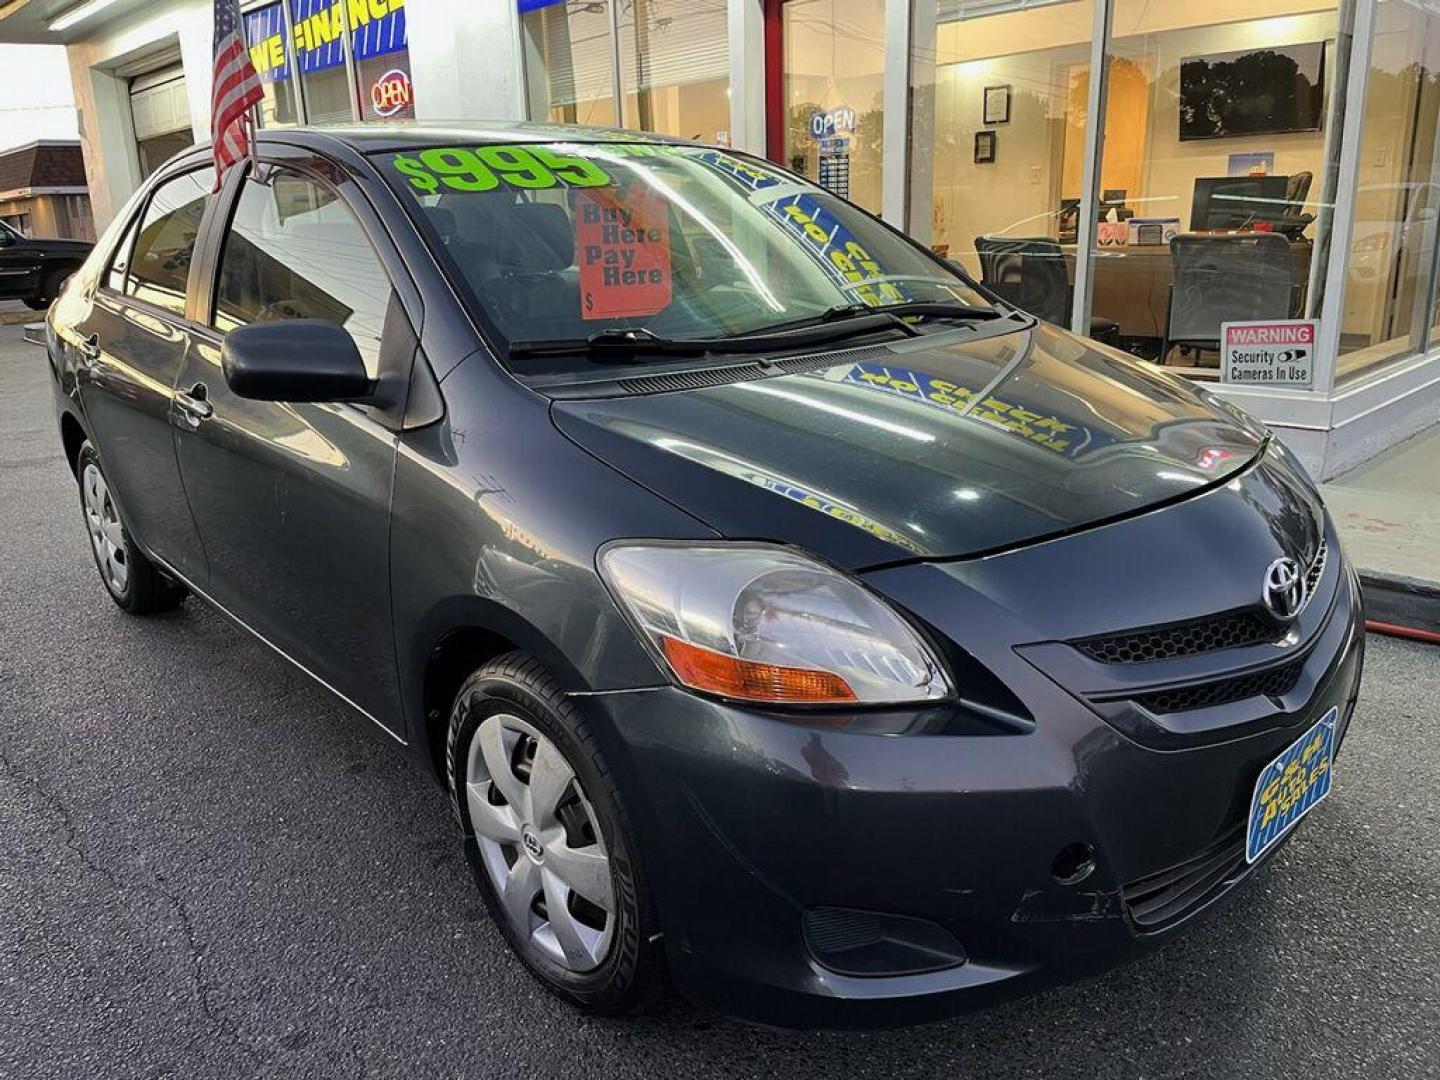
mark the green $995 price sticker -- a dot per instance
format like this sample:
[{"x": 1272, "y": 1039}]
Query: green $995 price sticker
[{"x": 487, "y": 167}]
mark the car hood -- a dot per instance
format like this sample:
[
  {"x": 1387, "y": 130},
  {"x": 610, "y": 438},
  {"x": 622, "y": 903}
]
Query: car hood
[
  {"x": 53, "y": 246},
  {"x": 924, "y": 449}
]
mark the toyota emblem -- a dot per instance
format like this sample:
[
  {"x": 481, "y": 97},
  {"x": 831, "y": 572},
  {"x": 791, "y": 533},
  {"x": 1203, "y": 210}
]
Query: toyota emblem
[{"x": 1285, "y": 589}]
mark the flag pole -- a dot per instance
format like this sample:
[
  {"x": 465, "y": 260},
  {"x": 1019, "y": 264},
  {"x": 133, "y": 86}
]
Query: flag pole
[
  {"x": 252, "y": 129},
  {"x": 252, "y": 133}
]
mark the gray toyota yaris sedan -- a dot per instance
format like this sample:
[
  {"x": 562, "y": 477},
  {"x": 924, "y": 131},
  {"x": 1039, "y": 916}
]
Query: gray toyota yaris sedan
[{"x": 788, "y": 619}]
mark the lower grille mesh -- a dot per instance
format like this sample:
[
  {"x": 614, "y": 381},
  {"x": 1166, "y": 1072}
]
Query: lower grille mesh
[{"x": 1272, "y": 682}]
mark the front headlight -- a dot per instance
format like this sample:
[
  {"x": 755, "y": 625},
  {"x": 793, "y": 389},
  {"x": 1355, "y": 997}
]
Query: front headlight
[{"x": 763, "y": 623}]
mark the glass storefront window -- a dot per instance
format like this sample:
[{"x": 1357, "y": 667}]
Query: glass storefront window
[
  {"x": 1389, "y": 275},
  {"x": 998, "y": 121},
  {"x": 320, "y": 55},
  {"x": 324, "y": 40},
  {"x": 569, "y": 61},
  {"x": 833, "y": 86},
  {"x": 1214, "y": 157},
  {"x": 269, "y": 40},
  {"x": 382, "y": 65},
  {"x": 675, "y": 67}
]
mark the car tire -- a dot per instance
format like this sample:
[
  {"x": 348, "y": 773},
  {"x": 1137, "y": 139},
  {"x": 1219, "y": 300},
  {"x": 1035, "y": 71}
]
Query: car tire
[
  {"x": 135, "y": 583},
  {"x": 36, "y": 303},
  {"x": 511, "y": 713},
  {"x": 54, "y": 282}
]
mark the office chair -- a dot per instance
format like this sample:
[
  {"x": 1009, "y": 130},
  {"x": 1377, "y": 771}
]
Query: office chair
[
  {"x": 1294, "y": 220},
  {"x": 1029, "y": 272},
  {"x": 1226, "y": 279}
]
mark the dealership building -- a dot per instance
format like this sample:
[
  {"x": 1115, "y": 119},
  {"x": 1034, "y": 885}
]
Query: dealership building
[{"x": 1274, "y": 163}]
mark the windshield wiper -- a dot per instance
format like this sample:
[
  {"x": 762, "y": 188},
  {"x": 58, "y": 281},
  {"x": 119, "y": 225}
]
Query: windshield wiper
[
  {"x": 619, "y": 345},
  {"x": 613, "y": 339},
  {"x": 840, "y": 313},
  {"x": 943, "y": 309}
]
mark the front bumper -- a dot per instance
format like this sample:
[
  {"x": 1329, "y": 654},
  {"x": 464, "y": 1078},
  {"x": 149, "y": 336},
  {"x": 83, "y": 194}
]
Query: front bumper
[{"x": 746, "y": 821}]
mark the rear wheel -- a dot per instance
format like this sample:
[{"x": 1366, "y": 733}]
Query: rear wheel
[
  {"x": 133, "y": 581},
  {"x": 548, "y": 840},
  {"x": 54, "y": 282}
]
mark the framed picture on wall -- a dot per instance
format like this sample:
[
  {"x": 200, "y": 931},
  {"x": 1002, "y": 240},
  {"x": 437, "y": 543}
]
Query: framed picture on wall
[
  {"x": 995, "y": 109},
  {"x": 984, "y": 148}
]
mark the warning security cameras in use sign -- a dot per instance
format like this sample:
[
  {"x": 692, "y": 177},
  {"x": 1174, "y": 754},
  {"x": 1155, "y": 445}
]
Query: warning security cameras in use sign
[{"x": 1276, "y": 353}]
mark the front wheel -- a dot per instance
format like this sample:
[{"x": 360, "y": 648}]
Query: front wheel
[
  {"x": 548, "y": 840},
  {"x": 133, "y": 581}
]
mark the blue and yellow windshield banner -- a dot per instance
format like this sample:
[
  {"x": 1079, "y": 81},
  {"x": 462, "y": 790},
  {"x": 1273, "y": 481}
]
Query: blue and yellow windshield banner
[
  {"x": 836, "y": 249},
  {"x": 829, "y": 242},
  {"x": 748, "y": 175}
]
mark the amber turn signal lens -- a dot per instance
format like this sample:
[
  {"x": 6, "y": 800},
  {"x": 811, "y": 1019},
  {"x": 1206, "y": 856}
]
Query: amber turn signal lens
[{"x": 706, "y": 669}]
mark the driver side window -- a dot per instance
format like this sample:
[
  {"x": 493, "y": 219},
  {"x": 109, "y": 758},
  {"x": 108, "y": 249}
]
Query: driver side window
[
  {"x": 295, "y": 251},
  {"x": 160, "y": 259}
]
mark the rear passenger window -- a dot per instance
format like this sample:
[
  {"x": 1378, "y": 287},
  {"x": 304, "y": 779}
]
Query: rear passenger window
[
  {"x": 295, "y": 251},
  {"x": 120, "y": 262},
  {"x": 160, "y": 261}
]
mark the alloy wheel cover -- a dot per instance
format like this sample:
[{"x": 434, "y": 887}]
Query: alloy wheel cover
[
  {"x": 540, "y": 843},
  {"x": 107, "y": 536}
]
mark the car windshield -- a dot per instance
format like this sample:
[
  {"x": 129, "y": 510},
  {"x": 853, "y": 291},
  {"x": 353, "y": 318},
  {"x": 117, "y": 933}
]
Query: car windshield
[{"x": 574, "y": 243}]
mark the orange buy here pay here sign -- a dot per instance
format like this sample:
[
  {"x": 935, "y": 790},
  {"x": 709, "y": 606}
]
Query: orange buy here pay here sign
[{"x": 624, "y": 243}]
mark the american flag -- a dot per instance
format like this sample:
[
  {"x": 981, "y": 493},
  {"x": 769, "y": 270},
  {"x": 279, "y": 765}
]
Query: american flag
[{"x": 236, "y": 89}]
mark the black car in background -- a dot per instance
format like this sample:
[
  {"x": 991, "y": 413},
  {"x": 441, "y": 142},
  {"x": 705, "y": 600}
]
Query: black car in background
[
  {"x": 788, "y": 619},
  {"x": 33, "y": 270}
]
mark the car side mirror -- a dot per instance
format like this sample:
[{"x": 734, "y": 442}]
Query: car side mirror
[{"x": 294, "y": 360}]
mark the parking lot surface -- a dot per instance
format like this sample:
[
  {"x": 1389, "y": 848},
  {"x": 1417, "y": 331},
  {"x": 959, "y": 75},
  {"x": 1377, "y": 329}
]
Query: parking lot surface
[{"x": 211, "y": 867}]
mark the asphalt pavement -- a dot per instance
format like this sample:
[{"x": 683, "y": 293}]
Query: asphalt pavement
[{"x": 211, "y": 867}]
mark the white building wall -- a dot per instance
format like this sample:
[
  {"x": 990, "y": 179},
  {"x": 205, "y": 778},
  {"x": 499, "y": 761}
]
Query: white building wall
[
  {"x": 465, "y": 60},
  {"x": 99, "y": 69}
]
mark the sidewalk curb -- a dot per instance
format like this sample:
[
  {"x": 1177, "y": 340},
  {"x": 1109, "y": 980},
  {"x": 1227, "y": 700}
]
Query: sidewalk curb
[{"x": 1401, "y": 601}]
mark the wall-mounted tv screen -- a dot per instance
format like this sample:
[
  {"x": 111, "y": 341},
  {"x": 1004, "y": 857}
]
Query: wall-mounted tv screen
[{"x": 1258, "y": 92}]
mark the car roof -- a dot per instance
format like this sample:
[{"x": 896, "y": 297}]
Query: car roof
[{"x": 379, "y": 138}]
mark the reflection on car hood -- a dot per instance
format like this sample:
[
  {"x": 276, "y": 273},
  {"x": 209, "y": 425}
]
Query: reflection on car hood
[{"x": 920, "y": 450}]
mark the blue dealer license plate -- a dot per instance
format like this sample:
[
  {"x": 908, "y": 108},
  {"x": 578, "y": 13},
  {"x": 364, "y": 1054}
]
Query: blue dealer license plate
[{"x": 1290, "y": 786}]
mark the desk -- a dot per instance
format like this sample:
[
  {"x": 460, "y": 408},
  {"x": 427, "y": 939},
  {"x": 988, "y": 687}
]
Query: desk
[{"x": 1132, "y": 284}]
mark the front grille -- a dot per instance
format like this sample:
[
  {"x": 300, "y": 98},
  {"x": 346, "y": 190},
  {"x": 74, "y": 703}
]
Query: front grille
[
  {"x": 1209, "y": 633},
  {"x": 1160, "y": 899},
  {"x": 1228, "y": 631},
  {"x": 1272, "y": 682}
]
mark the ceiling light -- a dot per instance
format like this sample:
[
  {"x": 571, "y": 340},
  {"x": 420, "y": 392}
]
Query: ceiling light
[{"x": 78, "y": 15}]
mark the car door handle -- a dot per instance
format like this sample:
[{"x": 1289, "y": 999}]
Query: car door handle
[
  {"x": 194, "y": 404},
  {"x": 90, "y": 349}
]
